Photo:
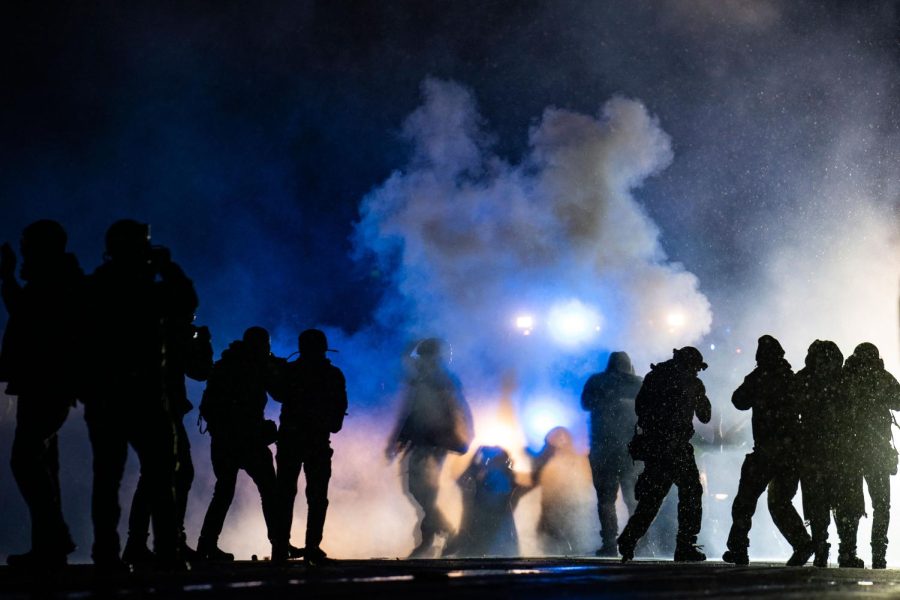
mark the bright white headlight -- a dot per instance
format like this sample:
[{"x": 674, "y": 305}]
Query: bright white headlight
[{"x": 573, "y": 323}]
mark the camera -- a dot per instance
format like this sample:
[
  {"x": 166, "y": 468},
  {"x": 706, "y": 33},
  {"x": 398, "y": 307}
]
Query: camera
[{"x": 160, "y": 256}]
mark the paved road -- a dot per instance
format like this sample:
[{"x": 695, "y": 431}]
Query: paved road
[{"x": 468, "y": 579}]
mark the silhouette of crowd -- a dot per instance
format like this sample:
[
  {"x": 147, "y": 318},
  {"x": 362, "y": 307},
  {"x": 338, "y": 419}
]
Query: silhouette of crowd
[
  {"x": 825, "y": 429},
  {"x": 132, "y": 321}
]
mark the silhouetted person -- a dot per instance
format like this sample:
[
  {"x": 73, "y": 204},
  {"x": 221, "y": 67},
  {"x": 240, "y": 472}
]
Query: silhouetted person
[
  {"x": 313, "y": 398},
  {"x": 831, "y": 476},
  {"x": 609, "y": 397},
  {"x": 434, "y": 419},
  {"x": 42, "y": 324},
  {"x": 188, "y": 353},
  {"x": 775, "y": 460},
  {"x": 668, "y": 400},
  {"x": 874, "y": 393},
  {"x": 133, "y": 297},
  {"x": 490, "y": 494},
  {"x": 234, "y": 408},
  {"x": 564, "y": 477}
]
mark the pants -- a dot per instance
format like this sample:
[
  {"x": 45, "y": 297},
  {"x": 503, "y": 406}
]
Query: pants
[
  {"x": 611, "y": 470},
  {"x": 35, "y": 466},
  {"x": 679, "y": 468},
  {"x": 293, "y": 456},
  {"x": 424, "y": 464},
  {"x": 825, "y": 490},
  {"x": 228, "y": 458},
  {"x": 757, "y": 473},
  {"x": 879, "y": 485},
  {"x": 151, "y": 432},
  {"x": 139, "y": 516}
]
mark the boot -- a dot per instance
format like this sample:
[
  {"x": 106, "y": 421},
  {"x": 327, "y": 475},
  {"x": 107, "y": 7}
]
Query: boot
[
  {"x": 188, "y": 553},
  {"x": 626, "y": 549},
  {"x": 847, "y": 529},
  {"x": 685, "y": 552},
  {"x": 608, "y": 550},
  {"x": 137, "y": 552},
  {"x": 879, "y": 552},
  {"x": 210, "y": 551},
  {"x": 736, "y": 557},
  {"x": 821, "y": 555},
  {"x": 847, "y": 558},
  {"x": 850, "y": 561},
  {"x": 280, "y": 552},
  {"x": 801, "y": 555},
  {"x": 425, "y": 549},
  {"x": 316, "y": 557}
]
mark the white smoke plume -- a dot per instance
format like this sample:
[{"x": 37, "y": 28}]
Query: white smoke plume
[{"x": 471, "y": 240}]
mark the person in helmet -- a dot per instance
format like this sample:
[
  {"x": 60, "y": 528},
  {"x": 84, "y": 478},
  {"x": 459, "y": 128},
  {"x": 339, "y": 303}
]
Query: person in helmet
[
  {"x": 609, "y": 397},
  {"x": 43, "y": 318},
  {"x": 434, "y": 420},
  {"x": 831, "y": 476},
  {"x": 774, "y": 462},
  {"x": 234, "y": 405},
  {"x": 873, "y": 393},
  {"x": 666, "y": 404},
  {"x": 313, "y": 397},
  {"x": 135, "y": 296}
]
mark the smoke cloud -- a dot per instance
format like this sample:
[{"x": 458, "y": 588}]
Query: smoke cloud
[{"x": 471, "y": 240}]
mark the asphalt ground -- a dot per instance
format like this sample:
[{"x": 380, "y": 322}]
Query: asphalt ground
[{"x": 469, "y": 579}]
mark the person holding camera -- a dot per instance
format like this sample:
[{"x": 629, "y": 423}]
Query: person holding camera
[
  {"x": 188, "y": 353},
  {"x": 233, "y": 407},
  {"x": 134, "y": 297}
]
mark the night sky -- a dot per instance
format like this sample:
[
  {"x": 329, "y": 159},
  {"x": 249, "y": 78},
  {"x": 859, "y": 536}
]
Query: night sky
[{"x": 248, "y": 136}]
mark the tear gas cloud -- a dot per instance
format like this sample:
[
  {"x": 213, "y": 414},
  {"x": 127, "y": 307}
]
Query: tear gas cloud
[{"x": 473, "y": 241}]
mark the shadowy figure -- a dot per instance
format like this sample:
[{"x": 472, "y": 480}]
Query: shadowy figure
[
  {"x": 490, "y": 494},
  {"x": 134, "y": 296},
  {"x": 313, "y": 398},
  {"x": 42, "y": 322},
  {"x": 233, "y": 406},
  {"x": 774, "y": 462},
  {"x": 609, "y": 397},
  {"x": 874, "y": 393},
  {"x": 831, "y": 477},
  {"x": 188, "y": 353},
  {"x": 434, "y": 419},
  {"x": 668, "y": 400},
  {"x": 564, "y": 478}
]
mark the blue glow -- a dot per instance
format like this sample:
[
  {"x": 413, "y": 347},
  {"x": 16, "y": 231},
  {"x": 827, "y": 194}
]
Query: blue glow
[
  {"x": 573, "y": 324},
  {"x": 541, "y": 415}
]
